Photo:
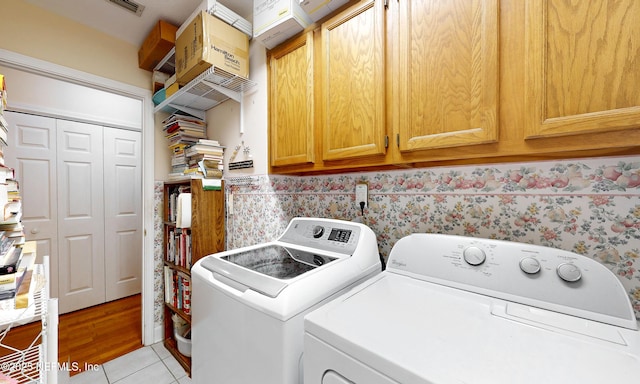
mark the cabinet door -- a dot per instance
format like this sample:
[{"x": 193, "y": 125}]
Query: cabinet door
[
  {"x": 447, "y": 73},
  {"x": 353, "y": 82},
  {"x": 122, "y": 209},
  {"x": 291, "y": 103},
  {"x": 80, "y": 215},
  {"x": 583, "y": 59}
]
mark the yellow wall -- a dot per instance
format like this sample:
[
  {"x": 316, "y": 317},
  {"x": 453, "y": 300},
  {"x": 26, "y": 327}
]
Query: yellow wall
[{"x": 34, "y": 32}]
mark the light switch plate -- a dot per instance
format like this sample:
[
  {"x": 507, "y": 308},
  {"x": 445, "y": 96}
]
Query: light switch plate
[{"x": 362, "y": 194}]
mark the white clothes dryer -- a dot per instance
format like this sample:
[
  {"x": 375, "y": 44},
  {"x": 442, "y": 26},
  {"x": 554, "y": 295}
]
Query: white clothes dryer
[
  {"x": 248, "y": 304},
  {"x": 452, "y": 309}
]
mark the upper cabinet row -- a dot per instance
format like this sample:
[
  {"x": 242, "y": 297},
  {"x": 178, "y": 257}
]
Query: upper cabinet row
[{"x": 417, "y": 82}]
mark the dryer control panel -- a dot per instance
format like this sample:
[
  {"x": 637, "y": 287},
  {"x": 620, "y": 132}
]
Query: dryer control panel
[
  {"x": 539, "y": 276},
  {"x": 325, "y": 234}
]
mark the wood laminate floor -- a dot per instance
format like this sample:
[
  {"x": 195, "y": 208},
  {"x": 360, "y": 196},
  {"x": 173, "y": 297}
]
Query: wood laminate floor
[{"x": 91, "y": 336}]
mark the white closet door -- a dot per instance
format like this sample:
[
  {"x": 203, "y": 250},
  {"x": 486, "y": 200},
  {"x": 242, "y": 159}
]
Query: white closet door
[
  {"x": 80, "y": 215},
  {"x": 32, "y": 153},
  {"x": 122, "y": 207}
]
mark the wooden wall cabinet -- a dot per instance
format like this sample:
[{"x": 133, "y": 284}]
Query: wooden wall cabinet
[
  {"x": 461, "y": 82},
  {"x": 352, "y": 55},
  {"x": 205, "y": 236},
  {"x": 291, "y": 102},
  {"x": 583, "y": 67},
  {"x": 447, "y": 74}
]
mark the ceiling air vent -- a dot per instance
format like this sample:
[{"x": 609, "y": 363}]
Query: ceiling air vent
[{"x": 129, "y": 5}]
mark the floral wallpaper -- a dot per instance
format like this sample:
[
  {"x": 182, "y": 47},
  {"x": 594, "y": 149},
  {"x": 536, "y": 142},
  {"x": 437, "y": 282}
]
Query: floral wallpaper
[{"x": 587, "y": 206}]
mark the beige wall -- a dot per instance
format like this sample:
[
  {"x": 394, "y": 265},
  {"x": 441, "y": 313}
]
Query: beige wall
[{"x": 34, "y": 32}]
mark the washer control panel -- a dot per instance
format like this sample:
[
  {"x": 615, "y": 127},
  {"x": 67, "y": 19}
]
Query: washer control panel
[
  {"x": 544, "y": 277},
  {"x": 324, "y": 234}
]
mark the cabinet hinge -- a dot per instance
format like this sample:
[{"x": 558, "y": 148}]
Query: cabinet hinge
[
  {"x": 386, "y": 4},
  {"x": 386, "y": 141}
]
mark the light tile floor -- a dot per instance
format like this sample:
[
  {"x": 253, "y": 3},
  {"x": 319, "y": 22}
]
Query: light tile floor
[{"x": 148, "y": 365}]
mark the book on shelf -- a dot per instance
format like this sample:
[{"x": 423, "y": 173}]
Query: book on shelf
[
  {"x": 177, "y": 289},
  {"x": 177, "y": 148},
  {"x": 6, "y": 174},
  {"x": 177, "y": 116},
  {"x": 10, "y": 258},
  {"x": 179, "y": 247},
  {"x": 178, "y": 159},
  {"x": 184, "y": 137},
  {"x": 199, "y": 133},
  {"x": 12, "y": 220},
  {"x": 212, "y": 184},
  {"x": 10, "y": 283},
  {"x": 14, "y": 231},
  {"x": 204, "y": 149},
  {"x": 12, "y": 208},
  {"x": 213, "y": 143}
]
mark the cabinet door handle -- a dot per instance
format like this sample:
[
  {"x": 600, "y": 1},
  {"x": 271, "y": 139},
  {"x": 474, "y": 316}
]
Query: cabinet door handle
[{"x": 34, "y": 231}]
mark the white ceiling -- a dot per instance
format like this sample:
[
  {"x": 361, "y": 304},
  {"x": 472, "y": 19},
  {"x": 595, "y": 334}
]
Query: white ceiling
[{"x": 115, "y": 21}]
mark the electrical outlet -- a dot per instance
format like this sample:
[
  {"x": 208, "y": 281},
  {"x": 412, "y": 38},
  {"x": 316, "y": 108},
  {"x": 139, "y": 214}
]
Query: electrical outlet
[{"x": 362, "y": 194}]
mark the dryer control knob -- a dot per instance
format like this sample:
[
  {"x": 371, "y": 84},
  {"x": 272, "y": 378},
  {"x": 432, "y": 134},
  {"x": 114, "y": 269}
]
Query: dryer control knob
[
  {"x": 530, "y": 265},
  {"x": 318, "y": 231},
  {"x": 474, "y": 255},
  {"x": 569, "y": 272}
]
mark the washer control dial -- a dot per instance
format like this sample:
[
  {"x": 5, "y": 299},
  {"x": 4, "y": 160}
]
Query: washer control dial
[
  {"x": 318, "y": 231},
  {"x": 569, "y": 272},
  {"x": 530, "y": 265},
  {"x": 474, "y": 255}
]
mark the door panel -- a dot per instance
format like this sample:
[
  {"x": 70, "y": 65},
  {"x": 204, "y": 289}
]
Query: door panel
[
  {"x": 582, "y": 67},
  {"x": 291, "y": 98},
  {"x": 80, "y": 215},
  {"x": 76, "y": 247},
  {"x": 448, "y": 73},
  {"x": 32, "y": 153},
  {"x": 122, "y": 205},
  {"x": 353, "y": 83}
]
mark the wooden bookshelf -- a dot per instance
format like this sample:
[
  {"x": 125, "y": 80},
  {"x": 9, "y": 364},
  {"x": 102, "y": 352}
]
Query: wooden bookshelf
[{"x": 206, "y": 237}]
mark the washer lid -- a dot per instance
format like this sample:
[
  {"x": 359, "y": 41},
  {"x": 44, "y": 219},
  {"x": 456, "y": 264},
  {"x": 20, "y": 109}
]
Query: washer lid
[
  {"x": 265, "y": 269},
  {"x": 419, "y": 332}
]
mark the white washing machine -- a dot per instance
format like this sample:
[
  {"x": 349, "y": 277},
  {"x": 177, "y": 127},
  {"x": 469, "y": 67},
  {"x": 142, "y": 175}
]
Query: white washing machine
[
  {"x": 452, "y": 309},
  {"x": 248, "y": 304}
]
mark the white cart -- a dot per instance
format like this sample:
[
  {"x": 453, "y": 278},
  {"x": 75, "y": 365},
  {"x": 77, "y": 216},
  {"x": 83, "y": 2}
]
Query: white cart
[{"x": 38, "y": 363}]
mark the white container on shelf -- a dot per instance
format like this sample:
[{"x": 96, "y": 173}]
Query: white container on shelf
[
  {"x": 184, "y": 344},
  {"x": 274, "y": 21},
  {"x": 317, "y": 9}
]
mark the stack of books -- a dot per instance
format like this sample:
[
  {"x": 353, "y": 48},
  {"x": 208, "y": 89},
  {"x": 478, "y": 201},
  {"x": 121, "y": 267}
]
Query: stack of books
[
  {"x": 206, "y": 157},
  {"x": 12, "y": 265},
  {"x": 182, "y": 130},
  {"x": 193, "y": 155}
]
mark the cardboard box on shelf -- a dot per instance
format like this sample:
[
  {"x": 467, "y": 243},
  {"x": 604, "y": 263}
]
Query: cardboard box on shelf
[
  {"x": 157, "y": 44},
  {"x": 317, "y": 9},
  {"x": 274, "y": 21},
  {"x": 209, "y": 41},
  {"x": 170, "y": 80},
  {"x": 170, "y": 90}
]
